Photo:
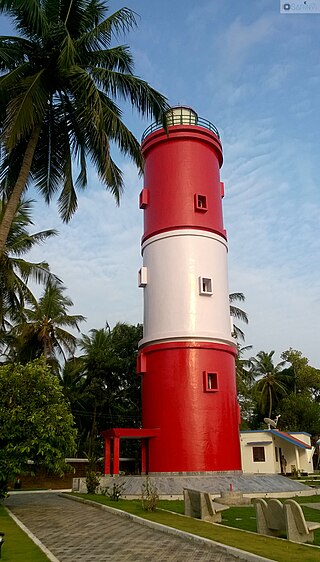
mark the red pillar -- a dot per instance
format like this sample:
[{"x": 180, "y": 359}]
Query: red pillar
[
  {"x": 144, "y": 444},
  {"x": 116, "y": 451},
  {"x": 107, "y": 458}
]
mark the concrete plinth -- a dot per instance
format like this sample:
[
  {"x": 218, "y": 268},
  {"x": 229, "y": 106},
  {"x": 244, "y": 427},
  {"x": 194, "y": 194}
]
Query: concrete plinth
[{"x": 171, "y": 487}]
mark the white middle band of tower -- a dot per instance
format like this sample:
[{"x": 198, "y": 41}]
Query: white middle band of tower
[{"x": 185, "y": 282}]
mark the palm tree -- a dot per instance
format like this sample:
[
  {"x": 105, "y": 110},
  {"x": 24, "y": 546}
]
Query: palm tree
[
  {"x": 42, "y": 329},
  {"x": 238, "y": 313},
  {"x": 269, "y": 385},
  {"x": 15, "y": 272},
  {"x": 60, "y": 85}
]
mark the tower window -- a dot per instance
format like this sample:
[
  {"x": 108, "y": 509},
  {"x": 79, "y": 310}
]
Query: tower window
[
  {"x": 205, "y": 286},
  {"x": 258, "y": 454},
  {"x": 210, "y": 381},
  {"x": 200, "y": 203}
]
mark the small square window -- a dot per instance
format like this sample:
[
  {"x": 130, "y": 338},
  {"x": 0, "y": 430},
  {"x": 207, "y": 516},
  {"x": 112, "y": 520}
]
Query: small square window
[
  {"x": 210, "y": 381},
  {"x": 205, "y": 286},
  {"x": 142, "y": 277},
  {"x": 200, "y": 203},
  {"x": 144, "y": 198},
  {"x": 258, "y": 454}
]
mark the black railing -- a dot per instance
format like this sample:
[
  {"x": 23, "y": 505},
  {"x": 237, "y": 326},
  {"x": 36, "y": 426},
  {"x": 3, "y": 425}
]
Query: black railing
[{"x": 181, "y": 119}]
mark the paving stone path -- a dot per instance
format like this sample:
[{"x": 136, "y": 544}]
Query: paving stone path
[{"x": 74, "y": 531}]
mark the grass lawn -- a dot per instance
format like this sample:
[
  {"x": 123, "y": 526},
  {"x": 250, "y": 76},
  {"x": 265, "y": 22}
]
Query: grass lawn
[
  {"x": 17, "y": 546},
  {"x": 276, "y": 549}
]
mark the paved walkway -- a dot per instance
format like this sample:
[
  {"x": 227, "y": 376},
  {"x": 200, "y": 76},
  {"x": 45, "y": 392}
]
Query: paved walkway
[{"x": 75, "y": 532}]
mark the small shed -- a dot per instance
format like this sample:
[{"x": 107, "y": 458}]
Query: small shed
[{"x": 272, "y": 451}]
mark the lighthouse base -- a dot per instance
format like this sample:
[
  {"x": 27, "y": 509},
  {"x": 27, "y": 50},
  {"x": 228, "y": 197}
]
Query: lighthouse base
[
  {"x": 171, "y": 487},
  {"x": 194, "y": 473}
]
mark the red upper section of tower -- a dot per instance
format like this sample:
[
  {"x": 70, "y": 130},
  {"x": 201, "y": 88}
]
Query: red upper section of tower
[{"x": 182, "y": 186}]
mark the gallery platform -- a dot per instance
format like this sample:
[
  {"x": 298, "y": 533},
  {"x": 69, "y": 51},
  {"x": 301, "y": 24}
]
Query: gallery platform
[{"x": 171, "y": 487}]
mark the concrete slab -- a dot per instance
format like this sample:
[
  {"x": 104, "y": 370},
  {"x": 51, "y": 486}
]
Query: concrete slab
[{"x": 172, "y": 486}]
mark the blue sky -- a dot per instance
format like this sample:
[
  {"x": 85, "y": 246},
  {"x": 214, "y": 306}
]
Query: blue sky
[{"x": 255, "y": 73}]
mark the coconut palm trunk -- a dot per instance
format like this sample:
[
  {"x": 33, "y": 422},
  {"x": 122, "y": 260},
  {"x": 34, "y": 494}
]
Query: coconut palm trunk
[{"x": 15, "y": 197}]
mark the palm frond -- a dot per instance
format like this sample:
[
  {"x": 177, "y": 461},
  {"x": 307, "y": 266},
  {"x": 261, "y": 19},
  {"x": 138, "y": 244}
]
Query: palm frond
[
  {"x": 28, "y": 15},
  {"x": 101, "y": 34},
  {"x": 139, "y": 93},
  {"x": 25, "y": 110}
]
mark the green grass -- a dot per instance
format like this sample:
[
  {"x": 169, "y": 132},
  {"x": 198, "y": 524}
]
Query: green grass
[
  {"x": 280, "y": 550},
  {"x": 17, "y": 546}
]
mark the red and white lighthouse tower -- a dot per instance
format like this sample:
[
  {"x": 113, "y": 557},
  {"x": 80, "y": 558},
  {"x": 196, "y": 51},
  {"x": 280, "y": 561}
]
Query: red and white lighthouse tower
[{"x": 187, "y": 354}]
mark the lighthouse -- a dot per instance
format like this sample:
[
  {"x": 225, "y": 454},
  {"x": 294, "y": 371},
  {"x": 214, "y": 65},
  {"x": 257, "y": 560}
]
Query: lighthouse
[{"x": 187, "y": 355}]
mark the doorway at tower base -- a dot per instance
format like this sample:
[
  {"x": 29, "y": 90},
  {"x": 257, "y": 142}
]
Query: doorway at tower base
[{"x": 189, "y": 394}]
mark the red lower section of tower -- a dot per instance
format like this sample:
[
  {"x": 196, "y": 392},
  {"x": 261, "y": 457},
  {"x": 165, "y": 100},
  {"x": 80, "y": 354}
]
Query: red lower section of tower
[{"x": 189, "y": 393}]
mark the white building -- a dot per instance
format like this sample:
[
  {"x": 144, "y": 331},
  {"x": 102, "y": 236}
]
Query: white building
[{"x": 271, "y": 451}]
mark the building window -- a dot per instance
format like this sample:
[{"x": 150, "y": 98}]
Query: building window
[
  {"x": 142, "y": 277},
  {"x": 205, "y": 286},
  {"x": 144, "y": 198},
  {"x": 276, "y": 451},
  {"x": 200, "y": 203},
  {"x": 258, "y": 454},
  {"x": 210, "y": 380}
]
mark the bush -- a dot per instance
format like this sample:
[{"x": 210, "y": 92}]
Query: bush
[
  {"x": 149, "y": 496},
  {"x": 92, "y": 481}
]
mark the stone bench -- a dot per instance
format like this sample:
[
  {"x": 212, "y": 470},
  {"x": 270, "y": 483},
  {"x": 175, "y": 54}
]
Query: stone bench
[
  {"x": 298, "y": 529},
  {"x": 199, "y": 505},
  {"x": 270, "y": 517},
  {"x": 1, "y": 541}
]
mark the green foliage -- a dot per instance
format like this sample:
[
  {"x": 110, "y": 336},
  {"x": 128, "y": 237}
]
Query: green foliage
[
  {"x": 237, "y": 313},
  {"x": 300, "y": 376},
  {"x": 299, "y": 412},
  {"x": 42, "y": 329},
  {"x": 269, "y": 388},
  {"x": 36, "y": 423},
  {"x": 16, "y": 271},
  {"x": 92, "y": 481},
  {"x": 61, "y": 82},
  {"x": 102, "y": 385},
  {"x": 149, "y": 496}
]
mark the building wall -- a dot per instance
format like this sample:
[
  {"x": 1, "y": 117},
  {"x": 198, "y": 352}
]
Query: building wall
[
  {"x": 296, "y": 457},
  {"x": 260, "y": 440}
]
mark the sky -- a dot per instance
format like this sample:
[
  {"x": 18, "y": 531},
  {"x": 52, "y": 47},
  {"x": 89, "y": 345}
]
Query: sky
[{"x": 255, "y": 74}]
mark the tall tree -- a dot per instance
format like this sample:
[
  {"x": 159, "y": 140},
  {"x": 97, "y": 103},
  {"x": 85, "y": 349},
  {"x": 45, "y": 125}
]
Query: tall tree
[
  {"x": 245, "y": 380},
  {"x": 43, "y": 331},
  {"x": 35, "y": 420},
  {"x": 268, "y": 386},
  {"x": 60, "y": 85},
  {"x": 108, "y": 391},
  {"x": 237, "y": 313},
  {"x": 15, "y": 272},
  {"x": 300, "y": 376}
]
